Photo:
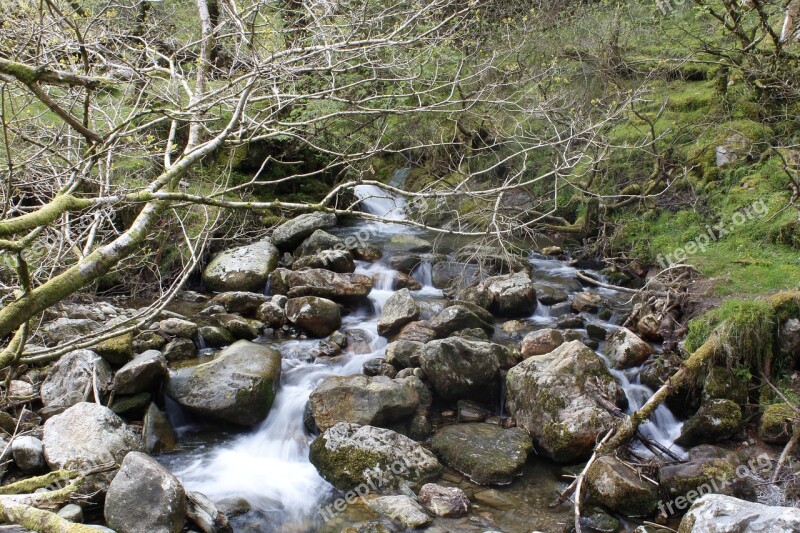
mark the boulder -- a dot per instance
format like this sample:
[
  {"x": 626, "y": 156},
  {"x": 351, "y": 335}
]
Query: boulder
[
  {"x": 715, "y": 421},
  {"x": 714, "y": 513},
  {"x": 142, "y": 374},
  {"x": 348, "y": 455},
  {"x": 509, "y": 295},
  {"x": 321, "y": 283},
  {"x": 399, "y": 310},
  {"x": 71, "y": 377},
  {"x": 85, "y": 436},
  {"x": 775, "y": 426},
  {"x": 625, "y": 349},
  {"x": 157, "y": 433},
  {"x": 362, "y": 400},
  {"x": 458, "y": 317},
  {"x": 242, "y": 269},
  {"x": 450, "y": 502},
  {"x": 554, "y": 398},
  {"x": 242, "y": 302},
  {"x": 238, "y": 386},
  {"x": 317, "y": 316},
  {"x": 145, "y": 497},
  {"x": 334, "y": 260},
  {"x": 317, "y": 242},
  {"x": 462, "y": 369},
  {"x": 290, "y": 234},
  {"x": 486, "y": 453},
  {"x": 541, "y": 342},
  {"x": 614, "y": 485},
  {"x": 403, "y": 509},
  {"x": 28, "y": 454}
]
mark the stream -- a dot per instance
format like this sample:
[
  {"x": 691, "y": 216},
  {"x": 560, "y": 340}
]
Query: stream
[{"x": 265, "y": 473}]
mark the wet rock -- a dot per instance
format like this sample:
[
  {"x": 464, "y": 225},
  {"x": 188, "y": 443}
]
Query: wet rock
[
  {"x": 403, "y": 509},
  {"x": 239, "y": 327},
  {"x": 317, "y": 316},
  {"x": 450, "y": 502},
  {"x": 241, "y": 302},
  {"x": 242, "y": 269},
  {"x": 717, "y": 420},
  {"x": 130, "y": 404},
  {"x": 775, "y": 425},
  {"x": 509, "y": 295},
  {"x": 715, "y": 513},
  {"x": 317, "y": 242},
  {"x": 157, "y": 433},
  {"x": 469, "y": 411},
  {"x": 615, "y": 486},
  {"x": 461, "y": 369},
  {"x": 399, "y": 310},
  {"x": 178, "y": 327},
  {"x": 215, "y": 336},
  {"x": 271, "y": 314},
  {"x": 541, "y": 342},
  {"x": 72, "y": 377},
  {"x": 142, "y": 374},
  {"x": 334, "y": 260},
  {"x": 379, "y": 367},
  {"x": 116, "y": 350},
  {"x": 238, "y": 386},
  {"x": 321, "y": 283},
  {"x": 458, "y": 317},
  {"x": 625, "y": 349},
  {"x": 348, "y": 455},
  {"x": 180, "y": 349},
  {"x": 28, "y": 454},
  {"x": 290, "y": 234},
  {"x": 549, "y": 295},
  {"x": 419, "y": 331},
  {"x": 145, "y": 497},
  {"x": 362, "y": 400},
  {"x": 485, "y": 453},
  {"x": 202, "y": 512},
  {"x": 85, "y": 436},
  {"x": 404, "y": 354},
  {"x": 554, "y": 398}
]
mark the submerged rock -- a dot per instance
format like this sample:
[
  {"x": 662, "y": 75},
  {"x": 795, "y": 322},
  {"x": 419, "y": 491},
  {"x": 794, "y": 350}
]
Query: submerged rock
[
  {"x": 715, "y": 513},
  {"x": 615, "y": 486},
  {"x": 290, "y": 234},
  {"x": 316, "y": 316},
  {"x": 485, "y": 453},
  {"x": 238, "y": 386},
  {"x": 554, "y": 397},
  {"x": 73, "y": 377},
  {"x": 362, "y": 400},
  {"x": 242, "y": 269},
  {"x": 348, "y": 455}
]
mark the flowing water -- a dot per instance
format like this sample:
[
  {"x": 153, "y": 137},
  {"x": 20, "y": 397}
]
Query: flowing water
[{"x": 267, "y": 471}]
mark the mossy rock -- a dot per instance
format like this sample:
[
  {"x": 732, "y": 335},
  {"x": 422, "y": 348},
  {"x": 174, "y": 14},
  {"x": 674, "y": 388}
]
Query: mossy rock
[{"x": 775, "y": 426}]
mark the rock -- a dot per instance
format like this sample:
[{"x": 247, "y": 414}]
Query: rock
[
  {"x": 549, "y": 295},
  {"x": 71, "y": 377},
  {"x": 450, "y": 502},
  {"x": 241, "y": 302},
  {"x": 157, "y": 433},
  {"x": 509, "y": 295},
  {"x": 239, "y": 327},
  {"x": 714, "y": 513},
  {"x": 399, "y": 310},
  {"x": 180, "y": 349},
  {"x": 775, "y": 426},
  {"x": 549, "y": 397},
  {"x": 625, "y": 349},
  {"x": 321, "y": 283},
  {"x": 129, "y": 404},
  {"x": 290, "y": 234},
  {"x": 238, "y": 386},
  {"x": 404, "y": 354},
  {"x": 615, "y": 486},
  {"x": 317, "y": 242},
  {"x": 457, "y": 317},
  {"x": 71, "y": 512},
  {"x": 362, "y": 400},
  {"x": 715, "y": 421},
  {"x": 145, "y": 497},
  {"x": 334, "y": 260},
  {"x": 271, "y": 314},
  {"x": 541, "y": 341},
  {"x": 317, "y": 316},
  {"x": 142, "y": 374},
  {"x": 215, "y": 336},
  {"x": 461, "y": 369},
  {"x": 404, "y": 509},
  {"x": 28, "y": 454},
  {"x": 469, "y": 411},
  {"x": 242, "y": 269},
  {"x": 586, "y": 302},
  {"x": 348, "y": 455},
  {"x": 178, "y": 327},
  {"x": 485, "y": 453},
  {"x": 116, "y": 350},
  {"x": 85, "y": 436},
  {"x": 202, "y": 512},
  {"x": 419, "y": 331}
]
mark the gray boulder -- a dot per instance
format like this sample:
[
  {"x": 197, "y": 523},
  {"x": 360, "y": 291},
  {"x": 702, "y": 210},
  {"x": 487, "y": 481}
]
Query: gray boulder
[
  {"x": 145, "y": 497},
  {"x": 290, "y": 234},
  {"x": 317, "y": 316},
  {"x": 462, "y": 369},
  {"x": 141, "y": 374},
  {"x": 555, "y": 398},
  {"x": 70, "y": 379},
  {"x": 238, "y": 386},
  {"x": 242, "y": 269},
  {"x": 715, "y": 513},
  {"x": 362, "y": 400},
  {"x": 399, "y": 310}
]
